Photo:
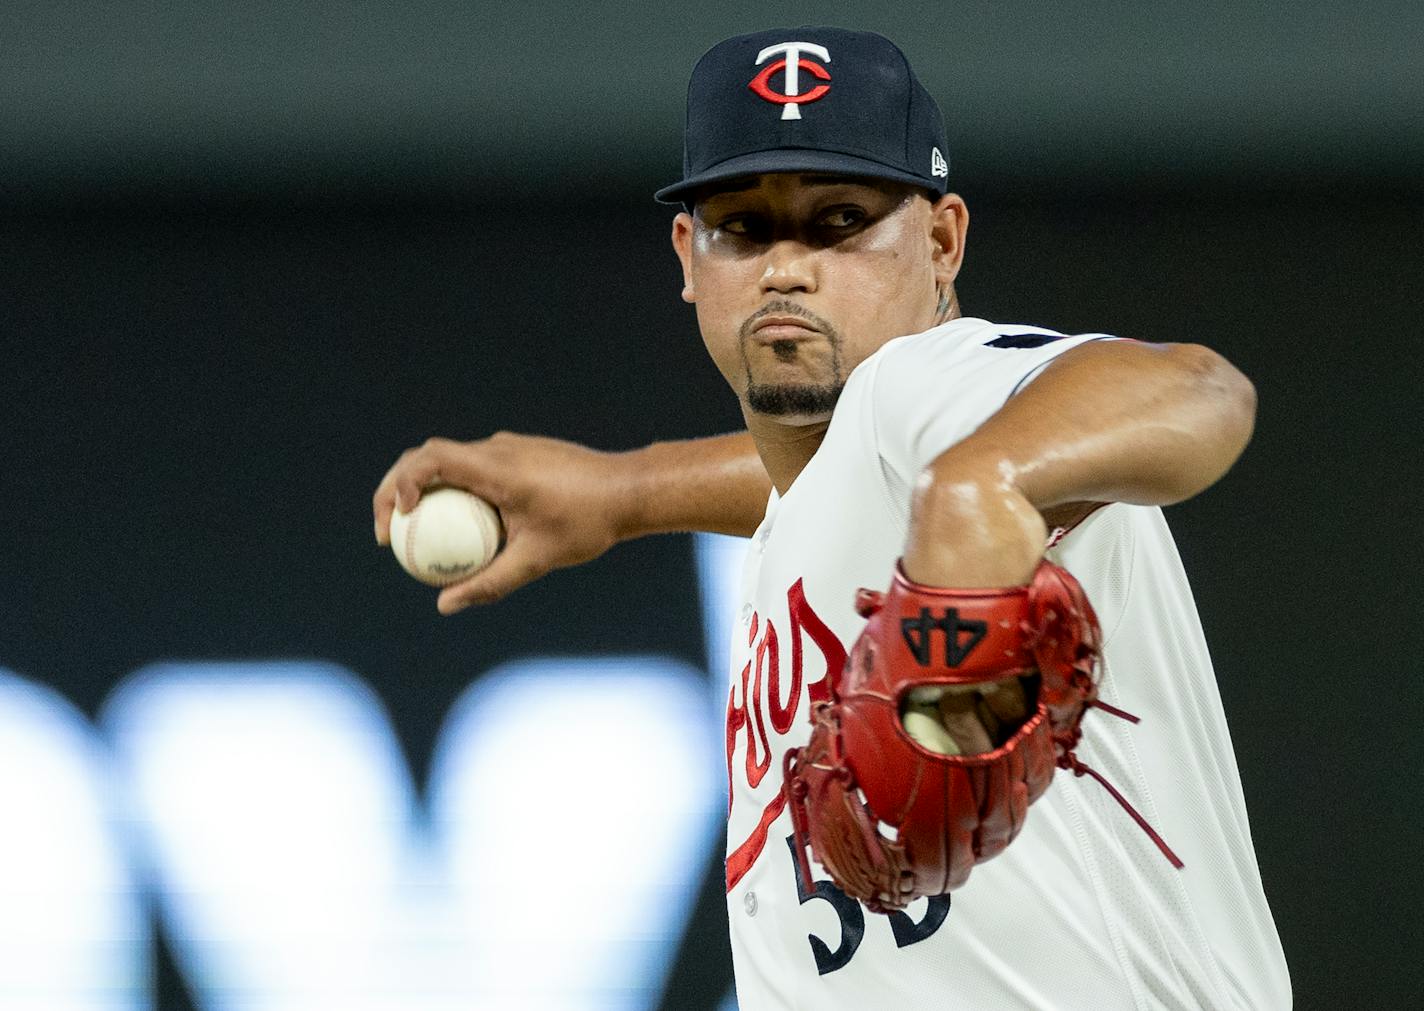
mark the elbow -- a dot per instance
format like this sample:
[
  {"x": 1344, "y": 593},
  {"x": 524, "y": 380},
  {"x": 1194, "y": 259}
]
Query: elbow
[{"x": 1227, "y": 401}]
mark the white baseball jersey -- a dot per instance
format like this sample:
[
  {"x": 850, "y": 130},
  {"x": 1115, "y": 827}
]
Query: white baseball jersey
[{"x": 1082, "y": 910}]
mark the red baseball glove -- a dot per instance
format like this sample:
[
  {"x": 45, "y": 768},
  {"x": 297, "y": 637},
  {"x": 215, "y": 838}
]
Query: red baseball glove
[{"x": 893, "y": 817}]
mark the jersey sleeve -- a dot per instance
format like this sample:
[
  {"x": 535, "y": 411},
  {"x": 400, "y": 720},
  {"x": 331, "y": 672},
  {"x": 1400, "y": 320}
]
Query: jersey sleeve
[{"x": 934, "y": 389}]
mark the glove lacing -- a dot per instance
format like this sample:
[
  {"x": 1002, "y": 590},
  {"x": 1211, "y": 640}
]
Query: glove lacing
[{"x": 1070, "y": 761}]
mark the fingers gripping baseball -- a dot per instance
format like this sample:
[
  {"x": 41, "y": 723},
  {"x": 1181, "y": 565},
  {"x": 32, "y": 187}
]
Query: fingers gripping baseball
[
  {"x": 558, "y": 502},
  {"x": 470, "y": 466},
  {"x": 520, "y": 563}
]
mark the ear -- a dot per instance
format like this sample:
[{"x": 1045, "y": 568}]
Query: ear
[
  {"x": 682, "y": 231},
  {"x": 949, "y": 224}
]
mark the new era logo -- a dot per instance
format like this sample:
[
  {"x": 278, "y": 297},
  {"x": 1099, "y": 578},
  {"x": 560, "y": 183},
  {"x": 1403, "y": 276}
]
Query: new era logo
[{"x": 938, "y": 166}]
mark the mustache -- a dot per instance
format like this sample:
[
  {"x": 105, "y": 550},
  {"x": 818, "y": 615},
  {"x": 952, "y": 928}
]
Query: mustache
[{"x": 782, "y": 307}]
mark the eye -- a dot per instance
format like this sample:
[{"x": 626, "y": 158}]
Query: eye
[
  {"x": 743, "y": 225},
  {"x": 842, "y": 217}
]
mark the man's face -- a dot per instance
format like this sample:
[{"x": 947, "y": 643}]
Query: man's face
[{"x": 797, "y": 279}]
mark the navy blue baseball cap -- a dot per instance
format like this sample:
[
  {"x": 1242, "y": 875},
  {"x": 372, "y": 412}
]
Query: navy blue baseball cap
[{"x": 809, "y": 100}]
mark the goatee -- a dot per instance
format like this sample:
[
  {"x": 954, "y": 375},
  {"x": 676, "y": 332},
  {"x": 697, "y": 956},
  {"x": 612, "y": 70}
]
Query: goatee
[
  {"x": 786, "y": 399},
  {"x": 791, "y": 399}
]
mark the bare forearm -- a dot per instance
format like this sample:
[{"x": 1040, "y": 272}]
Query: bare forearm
[
  {"x": 1147, "y": 424},
  {"x": 716, "y": 485}
]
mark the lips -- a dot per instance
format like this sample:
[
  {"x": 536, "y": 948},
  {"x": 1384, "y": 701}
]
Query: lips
[{"x": 781, "y": 328}]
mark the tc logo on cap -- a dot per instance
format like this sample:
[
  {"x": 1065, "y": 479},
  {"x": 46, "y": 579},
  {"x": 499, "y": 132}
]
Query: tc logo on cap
[{"x": 791, "y": 98}]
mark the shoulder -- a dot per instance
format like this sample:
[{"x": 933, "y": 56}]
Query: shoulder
[
  {"x": 969, "y": 352},
  {"x": 968, "y": 338},
  {"x": 920, "y": 394}
]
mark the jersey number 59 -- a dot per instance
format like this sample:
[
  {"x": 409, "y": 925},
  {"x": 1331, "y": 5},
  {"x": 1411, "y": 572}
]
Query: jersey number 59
[{"x": 905, "y": 930}]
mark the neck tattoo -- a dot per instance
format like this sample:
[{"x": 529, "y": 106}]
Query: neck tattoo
[{"x": 945, "y": 309}]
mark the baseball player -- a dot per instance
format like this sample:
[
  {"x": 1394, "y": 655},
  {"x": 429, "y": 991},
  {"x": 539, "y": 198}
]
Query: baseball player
[{"x": 897, "y": 835}]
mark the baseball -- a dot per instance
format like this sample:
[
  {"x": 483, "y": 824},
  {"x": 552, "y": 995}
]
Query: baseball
[
  {"x": 450, "y": 534},
  {"x": 923, "y": 724}
]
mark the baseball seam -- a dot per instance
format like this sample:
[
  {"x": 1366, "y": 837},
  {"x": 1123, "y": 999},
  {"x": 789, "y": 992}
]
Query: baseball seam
[
  {"x": 478, "y": 517},
  {"x": 412, "y": 520}
]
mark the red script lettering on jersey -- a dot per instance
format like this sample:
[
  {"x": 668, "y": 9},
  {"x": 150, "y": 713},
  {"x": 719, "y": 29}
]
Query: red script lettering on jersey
[{"x": 761, "y": 692}]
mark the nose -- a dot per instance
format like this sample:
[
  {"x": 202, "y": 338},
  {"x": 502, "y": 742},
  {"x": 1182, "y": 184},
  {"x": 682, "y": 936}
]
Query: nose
[{"x": 790, "y": 266}]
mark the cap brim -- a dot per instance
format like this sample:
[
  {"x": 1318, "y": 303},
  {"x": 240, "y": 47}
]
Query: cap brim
[{"x": 790, "y": 160}]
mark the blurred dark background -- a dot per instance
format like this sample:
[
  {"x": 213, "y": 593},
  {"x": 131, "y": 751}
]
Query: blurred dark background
[{"x": 249, "y": 253}]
